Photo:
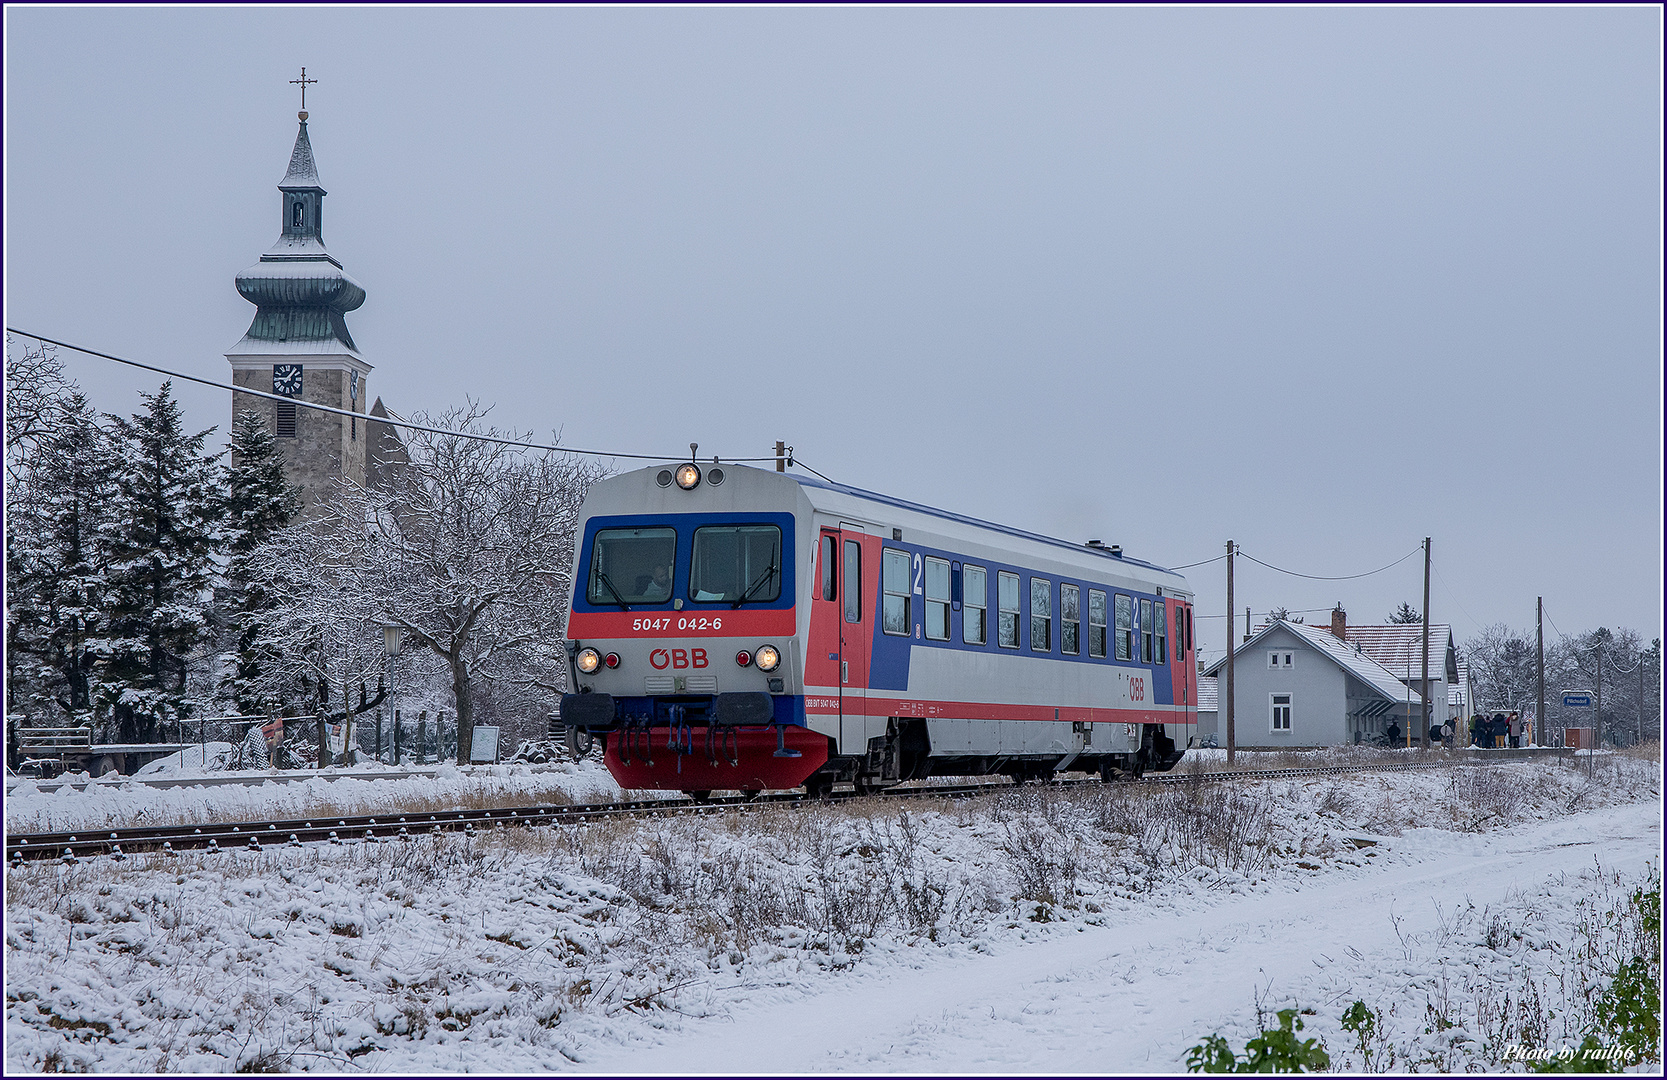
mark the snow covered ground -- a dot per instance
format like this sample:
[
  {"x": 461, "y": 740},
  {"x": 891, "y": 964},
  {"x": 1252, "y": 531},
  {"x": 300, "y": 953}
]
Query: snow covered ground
[
  {"x": 1100, "y": 929},
  {"x": 116, "y": 802}
]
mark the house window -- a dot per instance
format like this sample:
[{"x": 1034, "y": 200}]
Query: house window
[
  {"x": 1041, "y": 615},
  {"x": 1146, "y": 631},
  {"x": 1160, "y": 615},
  {"x": 286, "y": 419},
  {"x": 976, "y": 599},
  {"x": 1070, "y": 619},
  {"x": 1007, "y": 615},
  {"x": 1096, "y": 623},
  {"x": 1280, "y": 709},
  {"x": 1125, "y": 629},
  {"x": 1278, "y": 659},
  {"x": 937, "y": 599},
  {"x": 894, "y": 582}
]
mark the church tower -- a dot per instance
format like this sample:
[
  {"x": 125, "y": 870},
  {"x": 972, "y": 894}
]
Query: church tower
[{"x": 298, "y": 345}]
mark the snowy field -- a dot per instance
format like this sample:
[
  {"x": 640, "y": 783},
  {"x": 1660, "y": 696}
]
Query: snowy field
[{"x": 1098, "y": 929}]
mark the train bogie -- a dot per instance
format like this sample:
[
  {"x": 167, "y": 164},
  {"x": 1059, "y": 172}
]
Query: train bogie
[{"x": 733, "y": 628}]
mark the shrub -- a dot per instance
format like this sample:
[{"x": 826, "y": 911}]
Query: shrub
[{"x": 1275, "y": 1050}]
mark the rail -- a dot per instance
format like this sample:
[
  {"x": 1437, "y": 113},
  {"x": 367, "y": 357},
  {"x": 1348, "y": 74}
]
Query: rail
[{"x": 256, "y": 835}]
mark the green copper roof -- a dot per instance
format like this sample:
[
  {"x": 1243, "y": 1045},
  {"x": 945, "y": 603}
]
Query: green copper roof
[{"x": 299, "y": 290}]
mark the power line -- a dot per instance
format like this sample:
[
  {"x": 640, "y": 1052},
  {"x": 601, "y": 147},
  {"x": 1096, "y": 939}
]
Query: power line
[
  {"x": 1289, "y": 611},
  {"x": 1449, "y": 590},
  {"x": 391, "y": 420},
  {"x": 1340, "y": 577},
  {"x": 1206, "y": 562}
]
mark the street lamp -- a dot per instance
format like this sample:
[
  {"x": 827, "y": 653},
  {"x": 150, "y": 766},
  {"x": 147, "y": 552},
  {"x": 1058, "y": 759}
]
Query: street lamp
[{"x": 390, "y": 646}]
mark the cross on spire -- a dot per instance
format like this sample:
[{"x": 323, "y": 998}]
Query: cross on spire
[{"x": 304, "y": 82}]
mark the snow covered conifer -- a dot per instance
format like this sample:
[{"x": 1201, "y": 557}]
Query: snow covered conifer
[
  {"x": 59, "y": 528},
  {"x": 161, "y": 568},
  {"x": 258, "y": 503}
]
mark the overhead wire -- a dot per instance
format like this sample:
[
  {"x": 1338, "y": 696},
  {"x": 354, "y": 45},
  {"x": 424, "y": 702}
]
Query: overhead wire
[
  {"x": 391, "y": 420},
  {"x": 1338, "y": 577},
  {"x": 1206, "y": 562},
  {"x": 1449, "y": 590}
]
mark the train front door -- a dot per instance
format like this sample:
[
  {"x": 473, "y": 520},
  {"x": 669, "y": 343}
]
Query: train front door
[{"x": 854, "y": 640}]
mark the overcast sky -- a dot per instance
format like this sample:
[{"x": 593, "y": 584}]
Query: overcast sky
[{"x": 1322, "y": 281}]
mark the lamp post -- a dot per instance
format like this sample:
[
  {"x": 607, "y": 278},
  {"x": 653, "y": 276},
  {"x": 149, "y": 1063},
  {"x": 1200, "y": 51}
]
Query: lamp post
[{"x": 390, "y": 646}]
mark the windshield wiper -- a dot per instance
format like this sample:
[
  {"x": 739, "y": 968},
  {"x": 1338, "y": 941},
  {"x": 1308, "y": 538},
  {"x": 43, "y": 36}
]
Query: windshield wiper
[
  {"x": 603, "y": 578},
  {"x": 769, "y": 572}
]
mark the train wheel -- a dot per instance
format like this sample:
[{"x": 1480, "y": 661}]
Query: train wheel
[
  {"x": 818, "y": 787},
  {"x": 699, "y": 796}
]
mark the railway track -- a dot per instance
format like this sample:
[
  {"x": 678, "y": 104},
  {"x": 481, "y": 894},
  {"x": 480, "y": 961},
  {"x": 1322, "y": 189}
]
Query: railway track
[{"x": 375, "y": 828}]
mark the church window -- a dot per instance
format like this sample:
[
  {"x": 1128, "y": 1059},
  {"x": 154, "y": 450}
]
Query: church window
[
  {"x": 296, "y": 214},
  {"x": 286, "y": 419}
]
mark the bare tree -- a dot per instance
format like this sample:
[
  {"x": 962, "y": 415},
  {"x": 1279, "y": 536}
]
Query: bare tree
[{"x": 467, "y": 548}]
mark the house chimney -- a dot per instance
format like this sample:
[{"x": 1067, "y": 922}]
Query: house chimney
[{"x": 1340, "y": 622}]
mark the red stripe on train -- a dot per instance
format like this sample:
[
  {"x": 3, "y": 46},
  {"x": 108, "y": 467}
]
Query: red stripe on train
[
  {"x": 772, "y": 622},
  {"x": 871, "y": 705}
]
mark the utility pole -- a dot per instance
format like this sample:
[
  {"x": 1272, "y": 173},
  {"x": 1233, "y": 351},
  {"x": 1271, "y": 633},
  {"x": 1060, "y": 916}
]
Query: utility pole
[
  {"x": 1247, "y": 622},
  {"x": 1600, "y": 697},
  {"x": 1542, "y": 731},
  {"x": 1232, "y": 745},
  {"x": 1424, "y": 728}
]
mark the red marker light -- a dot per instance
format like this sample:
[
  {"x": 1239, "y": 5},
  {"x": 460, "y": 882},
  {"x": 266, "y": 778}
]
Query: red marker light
[
  {"x": 612, "y": 659},
  {"x": 743, "y": 658}
]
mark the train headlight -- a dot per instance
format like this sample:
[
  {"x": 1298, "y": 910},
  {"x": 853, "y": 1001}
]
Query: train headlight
[
  {"x": 688, "y": 476},
  {"x": 767, "y": 658},
  {"x": 588, "y": 661}
]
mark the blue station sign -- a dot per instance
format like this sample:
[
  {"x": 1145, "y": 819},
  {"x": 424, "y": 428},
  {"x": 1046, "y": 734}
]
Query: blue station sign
[{"x": 1573, "y": 700}]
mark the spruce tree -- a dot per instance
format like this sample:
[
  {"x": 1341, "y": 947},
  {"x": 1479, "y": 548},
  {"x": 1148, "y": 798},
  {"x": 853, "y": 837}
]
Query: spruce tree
[
  {"x": 258, "y": 504},
  {"x": 161, "y": 567},
  {"x": 59, "y": 529}
]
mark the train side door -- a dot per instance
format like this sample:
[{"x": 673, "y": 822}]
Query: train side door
[
  {"x": 822, "y": 665},
  {"x": 854, "y": 642}
]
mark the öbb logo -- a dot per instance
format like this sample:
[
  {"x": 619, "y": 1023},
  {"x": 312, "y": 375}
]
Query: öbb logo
[{"x": 661, "y": 659}]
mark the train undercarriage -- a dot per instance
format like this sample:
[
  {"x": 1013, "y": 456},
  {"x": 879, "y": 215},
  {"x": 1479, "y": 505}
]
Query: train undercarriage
[{"x": 693, "y": 750}]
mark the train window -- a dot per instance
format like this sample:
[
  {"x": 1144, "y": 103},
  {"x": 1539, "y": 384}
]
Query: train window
[
  {"x": 1070, "y": 619},
  {"x": 1096, "y": 623},
  {"x": 830, "y": 557},
  {"x": 894, "y": 582},
  {"x": 1125, "y": 629},
  {"x": 853, "y": 581},
  {"x": 937, "y": 599},
  {"x": 975, "y": 601},
  {"x": 632, "y": 566},
  {"x": 1007, "y": 613},
  {"x": 1189, "y": 628},
  {"x": 1160, "y": 623},
  {"x": 1146, "y": 631},
  {"x": 736, "y": 564},
  {"x": 1041, "y": 615}
]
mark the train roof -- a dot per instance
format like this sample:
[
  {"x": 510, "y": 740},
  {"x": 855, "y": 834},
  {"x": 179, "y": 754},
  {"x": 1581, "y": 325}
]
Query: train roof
[{"x": 963, "y": 519}]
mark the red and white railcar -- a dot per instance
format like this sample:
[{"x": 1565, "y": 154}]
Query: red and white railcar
[{"x": 738, "y": 629}]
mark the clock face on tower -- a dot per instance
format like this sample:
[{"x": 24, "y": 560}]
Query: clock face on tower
[{"x": 286, "y": 379}]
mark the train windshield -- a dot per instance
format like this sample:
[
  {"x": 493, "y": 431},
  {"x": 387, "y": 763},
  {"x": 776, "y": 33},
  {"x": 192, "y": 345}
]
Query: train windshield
[
  {"x": 632, "y": 566},
  {"x": 735, "y": 564}
]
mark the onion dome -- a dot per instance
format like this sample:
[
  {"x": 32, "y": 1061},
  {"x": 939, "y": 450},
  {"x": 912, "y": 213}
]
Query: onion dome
[{"x": 299, "y": 290}]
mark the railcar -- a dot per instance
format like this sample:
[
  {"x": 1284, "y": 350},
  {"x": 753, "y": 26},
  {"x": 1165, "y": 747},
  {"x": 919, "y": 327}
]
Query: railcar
[{"x": 741, "y": 629}]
